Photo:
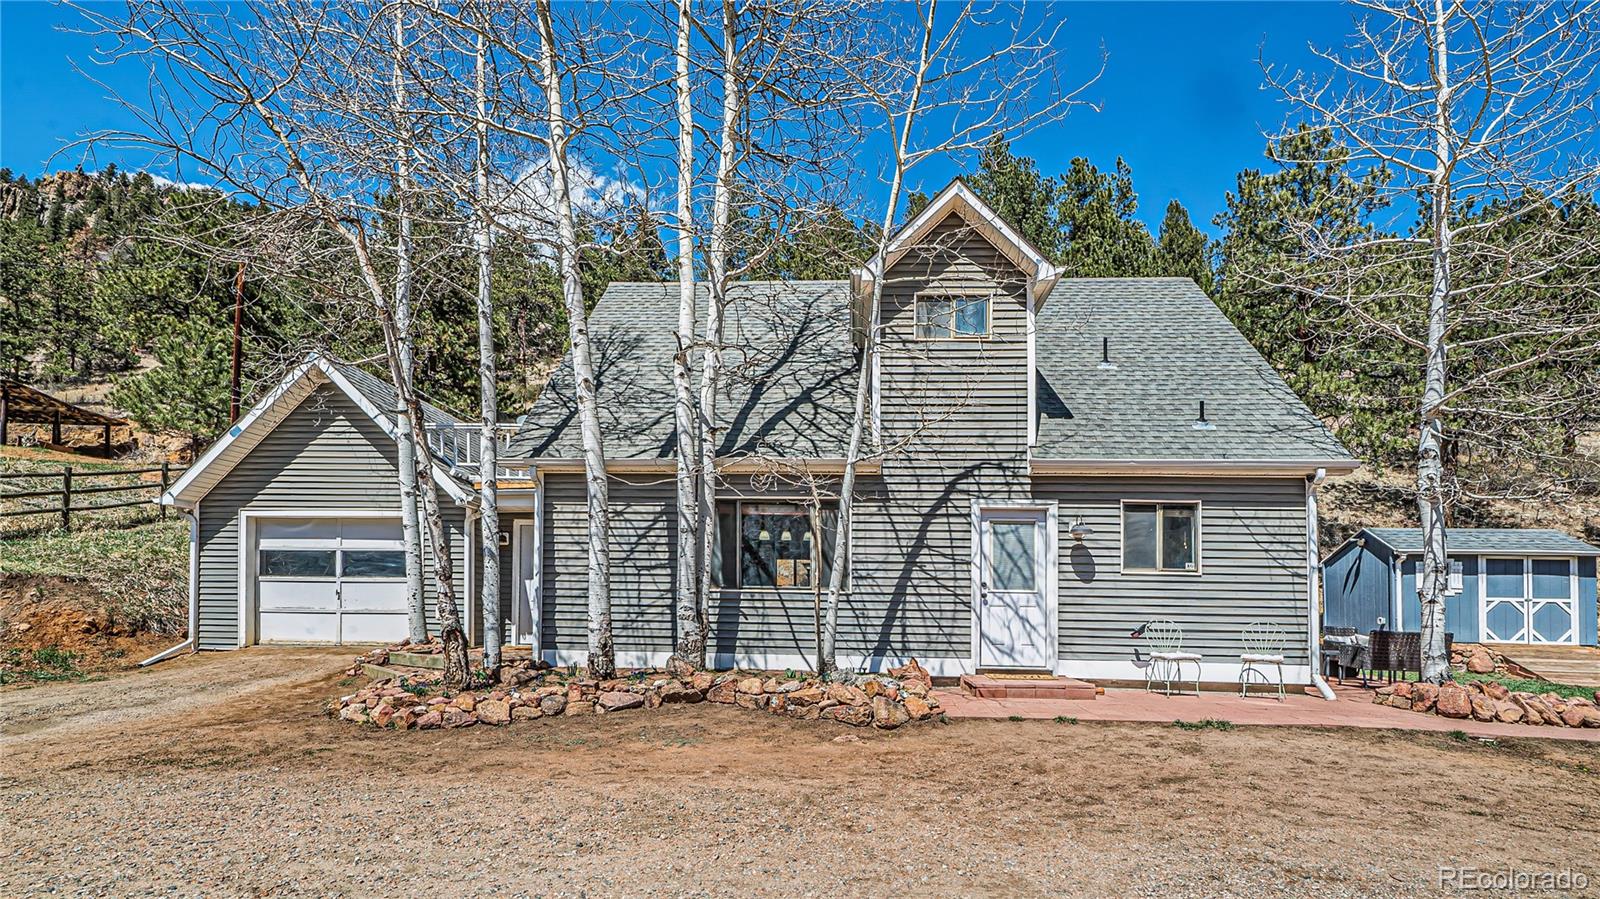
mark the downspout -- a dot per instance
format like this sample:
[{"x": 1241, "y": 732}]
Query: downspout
[
  {"x": 1313, "y": 584},
  {"x": 194, "y": 592}
]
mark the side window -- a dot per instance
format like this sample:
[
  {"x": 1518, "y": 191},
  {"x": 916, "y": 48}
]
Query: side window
[
  {"x": 949, "y": 317},
  {"x": 1161, "y": 537}
]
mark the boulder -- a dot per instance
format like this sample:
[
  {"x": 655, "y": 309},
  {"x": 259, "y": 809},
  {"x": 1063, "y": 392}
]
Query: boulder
[
  {"x": 723, "y": 691},
  {"x": 702, "y": 681},
  {"x": 1480, "y": 662},
  {"x": 918, "y": 709},
  {"x": 911, "y": 673},
  {"x": 803, "y": 712},
  {"x": 542, "y": 692},
  {"x": 1482, "y": 708},
  {"x": 652, "y": 700},
  {"x": 466, "y": 702},
  {"x": 747, "y": 700},
  {"x": 1530, "y": 712},
  {"x": 751, "y": 686},
  {"x": 1495, "y": 690},
  {"x": 455, "y": 717},
  {"x": 1424, "y": 697},
  {"x": 1508, "y": 712},
  {"x": 553, "y": 704},
  {"x": 888, "y": 714},
  {"x": 1402, "y": 689},
  {"x": 526, "y": 713},
  {"x": 854, "y": 715},
  {"x": 679, "y": 693},
  {"x": 807, "y": 696},
  {"x": 430, "y": 721},
  {"x": 1454, "y": 701},
  {"x": 356, "y": 713},
  {"x": 1546, "y": 714},
  {"x": 846, "y": 694},
  {"x": 872, "y": 688},
  {"x": 1576, "y": 716},
  {"x": 680, "y": 668},
  {"x": 494, "y": 711},
  {"x": 618, "y": 700},
  {"x": 581, "y": 707}
]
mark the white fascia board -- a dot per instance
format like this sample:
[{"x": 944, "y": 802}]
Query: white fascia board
[
  {"x": 725, "y": 465},
  {"x": 245, "y": 429},
  {"x": 955, "y": 195},
  {"x": 1188, "y": 467}
]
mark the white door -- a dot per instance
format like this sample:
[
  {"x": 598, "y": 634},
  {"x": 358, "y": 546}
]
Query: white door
[
  {"x": 1529, "y": 600},
  {"x": 1014, "y": 629},
  {"x": 525, "y": 592},
  {"x": 330, "y": 580}
]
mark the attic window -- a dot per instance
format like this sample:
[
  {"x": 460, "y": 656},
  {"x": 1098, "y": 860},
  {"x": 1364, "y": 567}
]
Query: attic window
[{"x": 951, "y": 317}]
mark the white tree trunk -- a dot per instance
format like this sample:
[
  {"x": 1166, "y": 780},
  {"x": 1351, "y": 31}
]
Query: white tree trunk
[
  {"x": 717, "y": 264},
  {"x": 1434, "y": 576},
  {"x": 691, "y": 619},
  {"x": 410, "y": 524},
  {"x": 602, "y": 655},
  {"x": 488, "y": 439}
]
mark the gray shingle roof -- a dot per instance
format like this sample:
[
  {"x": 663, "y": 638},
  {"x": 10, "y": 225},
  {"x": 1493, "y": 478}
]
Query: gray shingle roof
[
  {"x": 1488, "y": 541},
  {"x": 790, "y": 390},
  {"x": 790, "y": 377},
  {"x": 380, "y": 393},
  {"x": 1171, "y": 348}
]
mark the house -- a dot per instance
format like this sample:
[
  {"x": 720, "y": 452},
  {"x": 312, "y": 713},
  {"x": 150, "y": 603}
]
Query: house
[
  {"x": 1506, "y": 585},
  {"x": 1052, "y": 463}
]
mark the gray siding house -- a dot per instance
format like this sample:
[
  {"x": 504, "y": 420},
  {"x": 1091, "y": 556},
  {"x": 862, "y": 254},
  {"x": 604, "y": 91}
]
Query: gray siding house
[{"x": 1053, "y": 462}]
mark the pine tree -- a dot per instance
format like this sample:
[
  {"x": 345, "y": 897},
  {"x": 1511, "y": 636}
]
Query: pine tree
[{"x": 1182, "y": 251}]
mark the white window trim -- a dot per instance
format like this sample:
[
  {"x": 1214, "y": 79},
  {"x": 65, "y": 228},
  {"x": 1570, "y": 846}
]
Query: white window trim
[
  {"x": 953, "y": 294},
  {"x": 1530, "y": 634},
  {"x": 1199, "y": 538},
  {"x": 1052, "y": 569},
  {"x": 804, "y": 502}
]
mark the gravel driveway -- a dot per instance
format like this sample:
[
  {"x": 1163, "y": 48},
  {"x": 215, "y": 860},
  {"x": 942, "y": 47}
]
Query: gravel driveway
[{"x": 214, "y": 775}]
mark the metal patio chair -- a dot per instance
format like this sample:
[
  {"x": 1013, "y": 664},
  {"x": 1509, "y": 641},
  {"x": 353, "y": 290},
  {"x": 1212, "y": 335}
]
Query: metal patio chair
[
  {"x": 1167, "y": 656},
  {"x": 1264, "y": 644}
]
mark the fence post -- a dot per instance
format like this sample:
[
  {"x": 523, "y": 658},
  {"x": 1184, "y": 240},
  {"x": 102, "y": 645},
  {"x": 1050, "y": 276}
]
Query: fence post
[
  {"x": 163, "y": 490},
  {"x": 66, "y": 498}
]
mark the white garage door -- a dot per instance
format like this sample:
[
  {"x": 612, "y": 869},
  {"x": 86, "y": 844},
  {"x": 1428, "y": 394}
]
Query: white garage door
[{"x": 330, "y": 580}]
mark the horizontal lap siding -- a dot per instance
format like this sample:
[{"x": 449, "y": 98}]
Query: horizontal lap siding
[
  {"x": 642, "y": 535},
  {"x": 1253, "y": 566},
  {"x": 954, "y": 416},
  {"x": 325, "y": 455}
]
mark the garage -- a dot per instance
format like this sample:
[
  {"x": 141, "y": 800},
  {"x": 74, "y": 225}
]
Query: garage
[{"x": 330, "y": 580}]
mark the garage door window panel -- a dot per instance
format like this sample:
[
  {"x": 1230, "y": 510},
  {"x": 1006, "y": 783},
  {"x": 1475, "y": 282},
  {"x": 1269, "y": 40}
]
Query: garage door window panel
[
  {"x": 373, "y": 563},
  {"x": 297, "y": 563}
]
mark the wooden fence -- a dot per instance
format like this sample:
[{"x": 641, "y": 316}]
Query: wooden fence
[{"x": 76, "y": 484}]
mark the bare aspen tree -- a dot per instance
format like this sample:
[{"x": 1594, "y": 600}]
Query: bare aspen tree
[
  {"x": 602, "y": 652},
  {"x": 406, "y": 437},
  {"x": 489, "y": 410},
  {"x": 690, "y": 646},
  {"x": 1483, "y": 111},
  {"x": 287, "y": 105},
  {"x": 921, "y": 75}
]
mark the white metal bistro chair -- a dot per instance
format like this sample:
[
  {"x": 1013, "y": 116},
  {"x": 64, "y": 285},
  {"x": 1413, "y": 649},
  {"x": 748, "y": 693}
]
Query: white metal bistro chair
[
  {"x": 1263, "y": 650},
  {"x": 1167, "y": 656}
]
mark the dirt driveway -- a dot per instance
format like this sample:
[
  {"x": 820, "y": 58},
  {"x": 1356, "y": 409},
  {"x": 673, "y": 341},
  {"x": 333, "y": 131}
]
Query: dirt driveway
[{"x": 148, "y": 783}]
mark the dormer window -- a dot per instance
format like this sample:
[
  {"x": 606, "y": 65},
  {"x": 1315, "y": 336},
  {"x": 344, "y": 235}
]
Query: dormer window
[{"x": 942, "y": 316}]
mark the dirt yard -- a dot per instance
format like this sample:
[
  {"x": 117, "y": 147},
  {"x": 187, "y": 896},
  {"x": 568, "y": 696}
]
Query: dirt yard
[{"x": 145, "y": 783}]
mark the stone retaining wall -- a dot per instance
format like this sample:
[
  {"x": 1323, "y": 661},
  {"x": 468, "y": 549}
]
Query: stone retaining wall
[
  {"x": 527, "y": 693},
  {"x": 1489, "y": 701}
]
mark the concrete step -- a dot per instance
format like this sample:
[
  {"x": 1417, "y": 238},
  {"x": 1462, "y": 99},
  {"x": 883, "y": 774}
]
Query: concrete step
[
  {"x": 986, "y": 687},
  {"x": 417, "y": 660}
]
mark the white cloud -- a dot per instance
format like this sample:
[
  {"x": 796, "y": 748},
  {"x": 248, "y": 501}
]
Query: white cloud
[{"x": 528, "y": 203}]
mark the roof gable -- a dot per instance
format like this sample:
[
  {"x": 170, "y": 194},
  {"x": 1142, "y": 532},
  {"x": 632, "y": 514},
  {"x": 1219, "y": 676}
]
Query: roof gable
[
  {"x": 248, "y": 432},
  {"x": 960, "y": 200}
]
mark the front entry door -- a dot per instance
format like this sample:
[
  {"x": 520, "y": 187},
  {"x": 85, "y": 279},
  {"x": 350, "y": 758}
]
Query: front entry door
[
  {"x": 1014, "y": 629},
  {"x": 525, "y": 592}
]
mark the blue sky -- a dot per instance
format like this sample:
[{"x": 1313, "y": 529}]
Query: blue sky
[{"x": 1181, "y": 96}]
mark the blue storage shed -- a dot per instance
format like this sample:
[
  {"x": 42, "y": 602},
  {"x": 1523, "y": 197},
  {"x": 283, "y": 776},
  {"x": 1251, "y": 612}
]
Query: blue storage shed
[{"x": 1507, "y": 585}]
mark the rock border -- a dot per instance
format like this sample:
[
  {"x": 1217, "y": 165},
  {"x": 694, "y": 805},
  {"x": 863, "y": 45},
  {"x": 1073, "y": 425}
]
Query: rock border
[
  {"x": 529, "y": 691},
  {"x": 1490, "y": 701}
]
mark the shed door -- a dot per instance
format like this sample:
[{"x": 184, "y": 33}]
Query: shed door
[
  {"x": 1530, "y": 601},
  {"x": 330, "y": 580}
]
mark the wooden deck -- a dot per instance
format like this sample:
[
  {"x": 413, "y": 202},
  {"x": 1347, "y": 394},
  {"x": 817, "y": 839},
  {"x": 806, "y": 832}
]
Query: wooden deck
[{"x": 1577, "y": 665}]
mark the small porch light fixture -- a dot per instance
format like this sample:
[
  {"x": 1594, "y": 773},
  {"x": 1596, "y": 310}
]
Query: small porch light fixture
[{"x": 1079, "y": 530}]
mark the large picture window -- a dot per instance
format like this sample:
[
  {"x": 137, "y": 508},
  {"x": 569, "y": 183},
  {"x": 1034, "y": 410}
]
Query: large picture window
[
  {"x": 945, "y": 317},
  {"x": 774, "y": 545},
  {"x": 1161, "y": 537}
]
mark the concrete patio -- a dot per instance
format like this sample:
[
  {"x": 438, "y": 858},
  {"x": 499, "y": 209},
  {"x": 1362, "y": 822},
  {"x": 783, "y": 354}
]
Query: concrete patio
[{"x": 1354, "y": 708}]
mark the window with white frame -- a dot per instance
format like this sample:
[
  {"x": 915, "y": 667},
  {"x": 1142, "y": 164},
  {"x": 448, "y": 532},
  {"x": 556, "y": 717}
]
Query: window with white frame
[
  {"x": 951, "y": 316},
  {"x": 774, "y": 545},
  {"x": 1161, "y": 537}
]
